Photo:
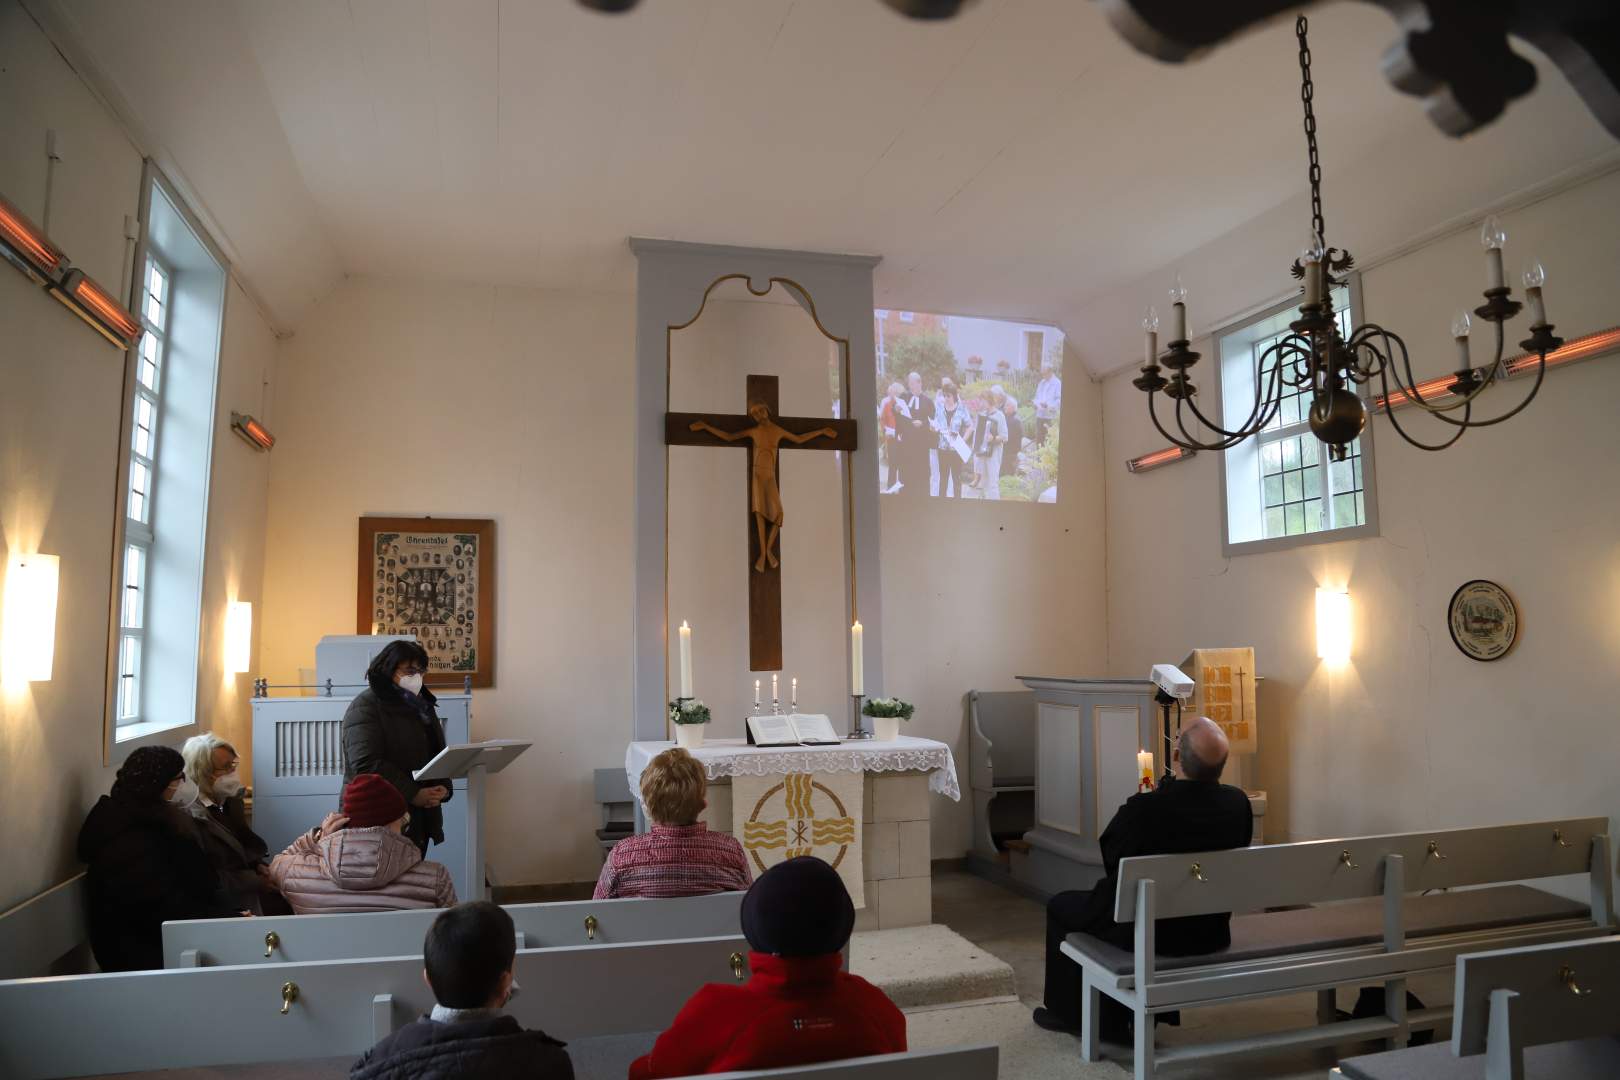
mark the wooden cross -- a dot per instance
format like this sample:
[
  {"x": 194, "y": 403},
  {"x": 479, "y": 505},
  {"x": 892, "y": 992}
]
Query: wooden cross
[{"x": 761, "y": 431}]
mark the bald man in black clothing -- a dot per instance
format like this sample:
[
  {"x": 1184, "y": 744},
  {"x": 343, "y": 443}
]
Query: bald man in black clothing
[{"x": 1192, "y": 812}]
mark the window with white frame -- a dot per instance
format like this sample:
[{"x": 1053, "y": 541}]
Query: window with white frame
[
  {"x": 1281, "y": 488},
  {"x": 171, "y": 419},
  {"x": 139, "y": 533}
]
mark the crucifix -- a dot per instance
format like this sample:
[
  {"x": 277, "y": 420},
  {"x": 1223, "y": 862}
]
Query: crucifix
[{"x": 764, "y": 432}]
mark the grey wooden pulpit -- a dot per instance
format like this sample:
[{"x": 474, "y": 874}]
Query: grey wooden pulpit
[{"x": 1087, "y": 732}]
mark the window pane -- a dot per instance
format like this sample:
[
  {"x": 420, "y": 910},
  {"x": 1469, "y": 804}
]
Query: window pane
[
  {"x": 1274, "y": 522},
  {"x": 1313, "y": 482},
  {"x": 1293, "y": 487},
  {"x": 154, "y": 310},
  {"x": 1309, "y": 449},
  {"x": 143, "y": 426},
  {"x": 1361, "y": 509},
  {"x": 1273, "y": 490},
  {"x": 1290, "y": 453},
  {"x": 129, "y": 689},
  {"x": 1313, "y": 516},
  {"x": 134, "y": 586},
  {"x": 1271, "y": 458},
  {"x": 1344, "y": 511},
  {"x": 1295, "y": 519},
  {"x": 1340, "y": 474}
]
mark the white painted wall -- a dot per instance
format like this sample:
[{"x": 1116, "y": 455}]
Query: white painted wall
[
  {"x": 473, "y": 401},
  {"x": 59, "y": 433},
  {"x": 1412, "y": 734}
]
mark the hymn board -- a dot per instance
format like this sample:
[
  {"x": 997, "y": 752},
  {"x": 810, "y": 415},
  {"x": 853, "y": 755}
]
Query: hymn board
[{"x": 764, "y": 432}]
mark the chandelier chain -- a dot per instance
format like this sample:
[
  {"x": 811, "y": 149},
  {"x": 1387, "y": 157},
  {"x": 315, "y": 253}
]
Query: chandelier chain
[{"x": 1307, "y": 90}]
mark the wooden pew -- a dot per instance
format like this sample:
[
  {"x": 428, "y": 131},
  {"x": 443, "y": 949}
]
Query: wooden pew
[
  {"x": 1546, "y": 1012},
  {"x": 87, "y": 1024},
  {"x": 1367, "y": 931},
  {"x": 1001, "y": 767},
  {"x": 44, "y": 929},
  {"x": 955, "y": 1063},
  {"x": 279, "y": 939}
]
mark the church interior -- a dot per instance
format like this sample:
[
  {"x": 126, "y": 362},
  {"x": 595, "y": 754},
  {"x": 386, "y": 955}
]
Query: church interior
[{"x": 621, "y": 370}]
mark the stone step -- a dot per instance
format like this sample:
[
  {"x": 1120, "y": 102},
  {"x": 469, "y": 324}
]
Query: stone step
[{"x": 928, "y": 965}]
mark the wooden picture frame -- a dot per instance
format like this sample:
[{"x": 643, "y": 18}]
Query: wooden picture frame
[{"x": 445, "y": 596}]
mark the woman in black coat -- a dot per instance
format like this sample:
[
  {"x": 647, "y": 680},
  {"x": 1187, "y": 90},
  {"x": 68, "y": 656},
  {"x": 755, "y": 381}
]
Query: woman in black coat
[
  {"x": 147, "y": 863},
  {"x": 391, "y": 729}
]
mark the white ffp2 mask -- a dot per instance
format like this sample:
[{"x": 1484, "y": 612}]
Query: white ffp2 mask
[{"x": 411, "y": 683}]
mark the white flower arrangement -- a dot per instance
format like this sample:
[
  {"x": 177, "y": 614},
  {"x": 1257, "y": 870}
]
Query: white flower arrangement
[{"x": 690, "y": 711}]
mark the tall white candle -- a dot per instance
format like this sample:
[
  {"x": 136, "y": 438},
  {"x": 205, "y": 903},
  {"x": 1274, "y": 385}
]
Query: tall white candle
[
  {"x": 756, "y": 693},
  {"x": 793, "y": 693},
  {"x": 857, "y": 659},
  {"x": 775, "y": 697},
  {"x": 686, "y": 660},
  {"x": 1144, "y": 766}
]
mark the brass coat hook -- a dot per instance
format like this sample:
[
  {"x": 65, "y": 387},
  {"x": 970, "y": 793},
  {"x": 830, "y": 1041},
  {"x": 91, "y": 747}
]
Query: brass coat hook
[
  {"x": 1198, "y": 872},
  {"x": 1434, "y": 849},
  {"x": 289, "y": 994},
  {"x": 271, "y": 940},
  {"x": 737, "y": 968},
  {"x": 1344, "y": 857},
  {"x": 1566, "y": 975},
  {"x": 590, "y": 927},
  {"x": 1558, "y": 835}
]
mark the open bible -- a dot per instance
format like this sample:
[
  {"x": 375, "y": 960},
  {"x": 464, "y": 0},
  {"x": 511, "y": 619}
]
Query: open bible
[{"x": 797, "y": 729}]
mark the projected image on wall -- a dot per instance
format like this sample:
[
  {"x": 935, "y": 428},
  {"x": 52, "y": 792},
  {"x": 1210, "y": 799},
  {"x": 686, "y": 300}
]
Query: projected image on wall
[{"x": 968, "y": 408}]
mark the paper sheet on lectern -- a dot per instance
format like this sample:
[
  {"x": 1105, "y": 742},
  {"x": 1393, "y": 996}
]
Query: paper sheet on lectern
[
  {"x": 1225, "y": 693},
  {"x": 784, "y": 816}
]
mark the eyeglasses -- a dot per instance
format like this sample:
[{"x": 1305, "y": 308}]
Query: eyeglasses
[{"x": 227, "y": 769}]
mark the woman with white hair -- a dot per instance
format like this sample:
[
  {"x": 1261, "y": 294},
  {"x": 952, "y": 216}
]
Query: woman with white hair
[{"x": 240, "y": 857}]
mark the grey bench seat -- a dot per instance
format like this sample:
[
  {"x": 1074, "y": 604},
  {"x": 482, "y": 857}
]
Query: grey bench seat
[
  {"x": 1583, "y": 1059},
  {"x": 1261, "y": 935}
]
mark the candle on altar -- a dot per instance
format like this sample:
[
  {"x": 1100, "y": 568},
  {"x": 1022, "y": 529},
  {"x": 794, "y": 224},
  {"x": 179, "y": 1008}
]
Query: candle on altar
[
  {"x": 793, "y": 691},
  {"x": 775, "y": 697},
  {"x": 1144, "y": 769},
  {"x": 756, "y": 693},
  {"x": 686, "y": 660},
  {"x": 857, "y": 660}
]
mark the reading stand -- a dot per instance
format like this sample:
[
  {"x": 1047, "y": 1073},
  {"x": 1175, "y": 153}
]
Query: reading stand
[{"x": 475, "y": 761}]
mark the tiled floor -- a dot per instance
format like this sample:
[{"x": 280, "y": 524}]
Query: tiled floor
[{"x": 1014, "y": 929}]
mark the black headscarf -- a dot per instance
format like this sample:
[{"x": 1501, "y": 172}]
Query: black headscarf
[
  {"x": 146, "y": 772},
  {"x": 799, "y": 907}
]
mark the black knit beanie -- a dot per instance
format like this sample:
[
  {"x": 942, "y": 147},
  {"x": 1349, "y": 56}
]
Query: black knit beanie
[
  {"x": 147, "y": 771},
  {"x": 799, "y": 907}
]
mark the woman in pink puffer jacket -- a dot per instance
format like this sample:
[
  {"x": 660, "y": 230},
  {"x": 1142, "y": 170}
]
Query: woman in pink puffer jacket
[{"x": 360, "y": 859}]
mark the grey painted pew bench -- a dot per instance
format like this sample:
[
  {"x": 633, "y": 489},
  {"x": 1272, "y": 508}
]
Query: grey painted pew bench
[
  {"x": 182, "y": 1018},
  {"x": 1365, "y": 929},
  {"x": 955, "y": 1063},
  {"x": 279, "y": 939},
  {"x": 1546, "y": 1012}
]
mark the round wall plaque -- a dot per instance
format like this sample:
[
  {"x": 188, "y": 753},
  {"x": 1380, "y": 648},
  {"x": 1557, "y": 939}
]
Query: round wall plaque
[{"x": 1483, "y": 620}]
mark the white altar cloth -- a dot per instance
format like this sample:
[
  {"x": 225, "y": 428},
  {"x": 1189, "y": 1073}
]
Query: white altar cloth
[{"x": 734, "y": 757}]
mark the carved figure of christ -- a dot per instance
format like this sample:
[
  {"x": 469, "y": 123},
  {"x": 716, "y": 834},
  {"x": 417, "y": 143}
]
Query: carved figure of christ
[{"x": 765, "y": 433}]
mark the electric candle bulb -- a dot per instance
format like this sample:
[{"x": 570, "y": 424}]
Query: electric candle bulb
[
  {"x": 1178, "y": 301},
  {"x": 1534, "y": 279},
  {"x": 1459, "y": 330},
  {"x": 1461, "y": 325},
  {"x": 1492, "y": 235},
  {"x": 1150, "y": 327},
  {"x": 1150, "y": 318}
]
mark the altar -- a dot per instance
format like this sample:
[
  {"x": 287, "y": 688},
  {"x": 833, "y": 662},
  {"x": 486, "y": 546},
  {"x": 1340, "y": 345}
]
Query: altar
[{"x": 786, "y": 788}]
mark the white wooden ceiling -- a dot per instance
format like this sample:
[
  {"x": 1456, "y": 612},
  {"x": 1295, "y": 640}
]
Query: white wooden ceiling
[{"x": 1019, "y": 160}]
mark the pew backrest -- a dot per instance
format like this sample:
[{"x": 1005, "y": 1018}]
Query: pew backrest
[
  {"x": 280, "y": 939},
  {"x": 130, "y": 1021},
  {"x": 1317, "y": 871},
  {"x": 956, "y": 1063},
  {"x": 1536, "y": 995},
  {"x": 43, "y": 929},
  {"x": 1001, "y": 748}
]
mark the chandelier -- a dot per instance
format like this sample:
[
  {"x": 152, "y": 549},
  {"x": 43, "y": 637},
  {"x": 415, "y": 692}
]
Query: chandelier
[{"x": 1315, "y": 358}]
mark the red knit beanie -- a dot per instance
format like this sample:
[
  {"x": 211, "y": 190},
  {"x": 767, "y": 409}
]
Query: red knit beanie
[{"x": 370, "y": 800}]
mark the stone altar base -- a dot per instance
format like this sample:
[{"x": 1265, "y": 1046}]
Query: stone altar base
[{"x": 897, "y": 846}]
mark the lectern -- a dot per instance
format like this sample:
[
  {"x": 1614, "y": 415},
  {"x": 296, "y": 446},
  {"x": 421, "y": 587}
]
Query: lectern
[
  {"x": 474, "y": 762},
  {"x": 1087, "y": 732}
]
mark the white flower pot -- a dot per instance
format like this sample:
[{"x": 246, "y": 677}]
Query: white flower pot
[
  {"x": 886, "y": 728},
  {"x": 689, "y": 736}
]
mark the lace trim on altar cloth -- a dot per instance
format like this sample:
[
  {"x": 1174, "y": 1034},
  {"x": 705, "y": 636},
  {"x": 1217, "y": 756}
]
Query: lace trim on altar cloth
[{"x": 938, "y": 762}]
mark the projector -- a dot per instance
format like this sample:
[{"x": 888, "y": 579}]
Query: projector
[{"x": 1172, "y": 681}]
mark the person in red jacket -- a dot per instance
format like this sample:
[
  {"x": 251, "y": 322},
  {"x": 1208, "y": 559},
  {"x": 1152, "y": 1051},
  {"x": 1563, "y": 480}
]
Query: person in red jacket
[{"x": 799, "y": 1006}]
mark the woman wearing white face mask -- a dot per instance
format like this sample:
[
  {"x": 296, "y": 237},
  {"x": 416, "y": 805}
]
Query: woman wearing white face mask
[
  {"x": 240, "y": 857},
  {"x": 146, "y": 862},
  {"x": 391, "y": 729}
]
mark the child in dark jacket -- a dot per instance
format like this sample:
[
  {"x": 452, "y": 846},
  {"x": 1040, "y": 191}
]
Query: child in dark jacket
[
  {"x": 799, "y": 1006},
  {"x": 468, "y": 959}
]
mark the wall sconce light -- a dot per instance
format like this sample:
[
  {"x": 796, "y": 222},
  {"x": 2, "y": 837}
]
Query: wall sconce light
[
  {"x": 24, "y": 245},
  {"x": 1332, "y": 625},
  {"x": 97, "y": 307},
  {"x": 28, "y": 625},
  {"x": 1168, "y": 456},
  {"x": 238, "y": 637},
  {"x": 253, "y": 433}
]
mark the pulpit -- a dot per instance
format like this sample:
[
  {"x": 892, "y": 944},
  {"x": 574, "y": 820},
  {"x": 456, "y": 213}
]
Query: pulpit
[{"x": 1088, "y": 733}]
